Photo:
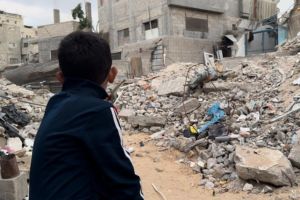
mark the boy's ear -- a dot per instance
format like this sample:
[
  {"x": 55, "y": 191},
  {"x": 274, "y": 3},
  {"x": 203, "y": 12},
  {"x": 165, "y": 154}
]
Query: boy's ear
[
  {"x": 60, "y": 76},
  {"x": 112, "y": 74}
]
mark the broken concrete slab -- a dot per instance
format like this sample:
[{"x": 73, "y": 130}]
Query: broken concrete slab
[
  {"x": 248, "y": 187},
  {"x": 14, "y": 144},
  {"x": 125, "y": 113},
  {"x": 147, "y": 121},
  {"x": 14, "y": 189},
  {"x": 296, "y": 82},
  {"x": 216, "y": 86},
  {"x": 188, "y": 106},
  {"x": 172, "y": 87},
  {"x": 158, "y": 135},
  {"x": 264, "y": 165},
  {"x": 3, "y": 141},
  {"x": 294, "y": 155}
]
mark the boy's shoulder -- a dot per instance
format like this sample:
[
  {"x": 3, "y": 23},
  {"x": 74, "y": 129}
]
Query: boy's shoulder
[{"x": 79, "y": 102}]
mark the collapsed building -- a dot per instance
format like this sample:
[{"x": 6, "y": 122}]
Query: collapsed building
[
  {"x": 145, "y": 36},
  {"x": 239, "y": 131},
  {"x": 293, "y": 20}
]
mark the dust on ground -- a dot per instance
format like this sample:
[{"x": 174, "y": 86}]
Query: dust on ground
[{"x": 177, "y": 181}]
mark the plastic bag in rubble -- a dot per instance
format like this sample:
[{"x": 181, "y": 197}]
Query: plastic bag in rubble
[
  {"x": 14, "y": 116},
  {"x": 217, "y": 115}
]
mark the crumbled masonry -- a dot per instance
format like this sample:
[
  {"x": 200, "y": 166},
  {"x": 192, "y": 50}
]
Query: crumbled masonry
[
  {"x": 251, "y": 91},
  {"x": 257, "y": 95}
]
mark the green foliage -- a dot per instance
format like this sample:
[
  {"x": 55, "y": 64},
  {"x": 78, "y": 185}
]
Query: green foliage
[{"x": 77, "y": 13}]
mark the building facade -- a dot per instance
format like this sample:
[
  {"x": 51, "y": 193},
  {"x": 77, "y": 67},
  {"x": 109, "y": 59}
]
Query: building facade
[
  {"x": 164, "y": 31},
  {"x": 10, "y": 38},
  {"x": 50, "y": 36},
  {"x": 29, "y": 45}
]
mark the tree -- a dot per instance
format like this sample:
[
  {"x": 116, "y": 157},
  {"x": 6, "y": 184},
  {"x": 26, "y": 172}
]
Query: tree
[{"x": 77, "y": 13}]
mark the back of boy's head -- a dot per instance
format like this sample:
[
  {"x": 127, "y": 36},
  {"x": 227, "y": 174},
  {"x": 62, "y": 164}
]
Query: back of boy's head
[{"x": 86, "y": 56}]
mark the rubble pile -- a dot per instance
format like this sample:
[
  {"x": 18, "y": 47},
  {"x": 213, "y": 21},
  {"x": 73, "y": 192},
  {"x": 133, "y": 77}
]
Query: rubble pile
[
  {"x": 292, "y": 46},
  {"x": 213, "y": 123},
  {"x": 21, "y": 111}
]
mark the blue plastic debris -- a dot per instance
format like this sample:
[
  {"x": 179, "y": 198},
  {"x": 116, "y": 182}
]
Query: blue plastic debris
[{"x": 217, "y": 114}]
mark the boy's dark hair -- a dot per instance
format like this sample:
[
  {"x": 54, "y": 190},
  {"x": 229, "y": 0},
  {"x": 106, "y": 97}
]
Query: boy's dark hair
[{"x": 85, "y": 55}]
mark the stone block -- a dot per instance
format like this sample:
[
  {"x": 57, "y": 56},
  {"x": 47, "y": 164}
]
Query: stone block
[
  {"x": 294, "y": 155},
  {"x": 125, "y": 113},
  {"x": 15, "y": 144},
  {"x": 14, "y": 189},
  {"x": 147, "y": 121},
  {"x": 172, "y": 87},
  {"x": 188, "y": 106},
  {"x": 264, "y": 165}
]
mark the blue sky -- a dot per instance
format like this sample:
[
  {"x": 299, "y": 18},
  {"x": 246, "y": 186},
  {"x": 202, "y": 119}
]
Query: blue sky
[{"x": 39, "y": 12}]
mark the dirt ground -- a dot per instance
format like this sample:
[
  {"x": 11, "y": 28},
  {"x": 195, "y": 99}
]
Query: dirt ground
[{"x": 177, "y": 181}]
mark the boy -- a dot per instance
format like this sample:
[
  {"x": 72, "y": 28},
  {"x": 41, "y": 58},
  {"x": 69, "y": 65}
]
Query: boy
[{"x": 78, "y": 152}]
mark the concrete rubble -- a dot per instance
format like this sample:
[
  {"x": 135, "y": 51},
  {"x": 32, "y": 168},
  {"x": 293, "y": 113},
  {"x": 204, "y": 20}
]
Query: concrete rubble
[
  {"x": 295, "y": 151},
  {"x": 21, "y": 111},
  {"x": 264, "y": 165},
  {"x": 252, "y": 92},
  {"x": 292, "y": 46}
]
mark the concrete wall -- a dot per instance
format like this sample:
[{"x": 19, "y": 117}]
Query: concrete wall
[
  {"x": 179, "y": 45},
  {"x": 218, "y": 24},
  {"x": 10, "y": 38},
  {"x": 46, "y": 46},
  {"x": 55, "y": 30},
  {"x": 132, "y": 14},
  {"x": 56, "y": 16},
  {"x": 30, "y": 50},
  {"x": 28, "y": 32},
  {"x": 178, "y": 17},
  {"x": 205, "y": 5},
  {"x": 176, "y": 49},
  {"x": 123, "y": 69},
  {"x": 181, "y": 49}
]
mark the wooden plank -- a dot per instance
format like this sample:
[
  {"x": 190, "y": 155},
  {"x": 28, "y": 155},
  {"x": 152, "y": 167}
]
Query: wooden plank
[{"x": 136, "y": 66}]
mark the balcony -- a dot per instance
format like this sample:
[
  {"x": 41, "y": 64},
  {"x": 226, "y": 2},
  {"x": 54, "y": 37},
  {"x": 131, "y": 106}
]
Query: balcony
[{"x": 215, "y": 6}]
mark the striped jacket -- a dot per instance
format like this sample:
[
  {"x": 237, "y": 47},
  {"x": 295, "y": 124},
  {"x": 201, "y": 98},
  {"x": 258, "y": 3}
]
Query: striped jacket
[{"x": 78, "y": 152}]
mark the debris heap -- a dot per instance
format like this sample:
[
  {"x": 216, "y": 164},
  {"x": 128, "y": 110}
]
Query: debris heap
[
  {"x": 222, "y": 125},
  {"x": 21, "y": 112},
  {"x": 291, "y": 46}
]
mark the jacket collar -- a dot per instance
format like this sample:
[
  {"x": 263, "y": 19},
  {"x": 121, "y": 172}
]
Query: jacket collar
[{"x": 85, "y": 87}]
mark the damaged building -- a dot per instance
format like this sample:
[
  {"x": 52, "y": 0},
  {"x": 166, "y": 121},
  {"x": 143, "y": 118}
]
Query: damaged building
[
  {"x": 29, "y": 45},
  {"x": 51, "y": 35},
  {"x": 10, "y": 40},
  {"x": 145, "y": 35},
  {"x": 294, "y": 20},
  {"x": 18, "y": 42}
]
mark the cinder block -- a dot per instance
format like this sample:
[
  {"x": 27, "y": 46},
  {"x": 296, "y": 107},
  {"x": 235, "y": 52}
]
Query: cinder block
[{"x": 14, "y": 189}]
